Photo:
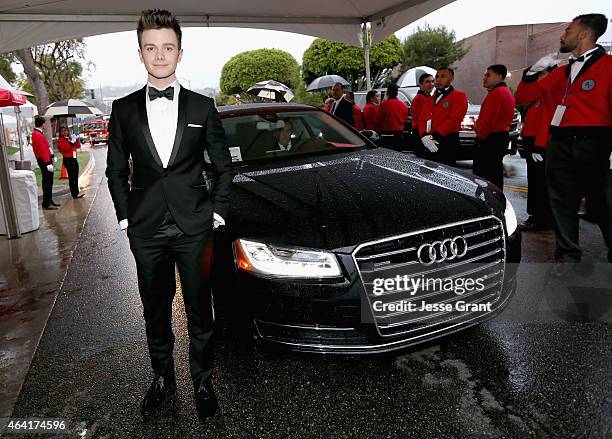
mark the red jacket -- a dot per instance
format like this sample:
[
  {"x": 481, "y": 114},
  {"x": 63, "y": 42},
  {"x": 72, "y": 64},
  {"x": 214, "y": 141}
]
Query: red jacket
[
  {"x": 41, "y": 148},
  {"x": 392, "y": 114},
  {"x": 589, "y": 98},
  {"x": 67, "y": 148},
  {"x": 358, "y": 117},
  {"x": 369, "y": 116},
  {"x": 446, "y": 115},
  {"x": 496, "y": 112},
  {"x": 416, "y": 107},
  {"x": 537, "y": 122}
]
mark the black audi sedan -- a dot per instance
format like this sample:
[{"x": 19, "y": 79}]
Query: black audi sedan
[{"x": 334, "y": 245}]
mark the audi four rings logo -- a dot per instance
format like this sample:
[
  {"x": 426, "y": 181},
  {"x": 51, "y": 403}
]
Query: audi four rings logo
[{"x": 440, "y": 251}]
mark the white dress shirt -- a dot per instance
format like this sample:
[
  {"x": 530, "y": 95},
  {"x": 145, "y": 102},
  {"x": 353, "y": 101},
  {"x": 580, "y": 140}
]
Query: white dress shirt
[
  {"x": 286, "y": 147},
  {"x": 162, "y": 115},
  {"x": 577, "y": 65}
]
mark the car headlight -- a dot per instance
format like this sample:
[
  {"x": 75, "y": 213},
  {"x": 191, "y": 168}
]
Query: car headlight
[
  {"x": 510, "y": 218},
  {"x": 283, "y": 261}
]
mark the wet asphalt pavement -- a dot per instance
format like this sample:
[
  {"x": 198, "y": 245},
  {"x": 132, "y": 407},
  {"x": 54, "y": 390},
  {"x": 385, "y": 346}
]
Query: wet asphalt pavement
[{"x": 541, "y": 369}]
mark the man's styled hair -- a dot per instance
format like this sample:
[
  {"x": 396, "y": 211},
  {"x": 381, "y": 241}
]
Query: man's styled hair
[
  {"x": 423, "y": 77},
  {"x": 158, "y": 19},
  {"x": 447, "y": 68},
  {"x": 392, "y": 90},
  {"x": 500, "y": 69},
  {"x": 597, "y": 23},
  {"x": 370, "y": 95},
  {"x": 39, "y": 121},
  {"x": 340, "y": 84}
]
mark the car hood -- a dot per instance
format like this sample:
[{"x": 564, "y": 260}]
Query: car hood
[{"x": 341, "y": 200}]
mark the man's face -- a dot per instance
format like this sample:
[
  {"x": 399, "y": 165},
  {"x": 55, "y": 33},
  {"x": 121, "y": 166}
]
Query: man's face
[
  {"x": 376, "y": 98},
  {"x": 160, "y": 53},
  {"x": 491, "y": 79},
  {"x": 572, "y": 36},
  {"x": 283, "y": 136},
  {"x": 337, "y": 91},
  {"x": 427, "y": 85},
  {"x": 443, "y": 78}
]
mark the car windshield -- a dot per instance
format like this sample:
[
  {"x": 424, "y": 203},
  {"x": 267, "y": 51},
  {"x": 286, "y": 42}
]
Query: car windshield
[{"x": 277, "y": 135}]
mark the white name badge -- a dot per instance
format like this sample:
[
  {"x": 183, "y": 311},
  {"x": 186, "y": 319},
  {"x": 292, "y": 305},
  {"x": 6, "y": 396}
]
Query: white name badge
[
  {"x": 74, "y": 154},
  {"x": 558, "y": 116},
  {"x": 428, "y": 128}
]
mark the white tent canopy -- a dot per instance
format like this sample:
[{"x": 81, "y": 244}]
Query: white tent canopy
[{"x": 29, "y": 23}]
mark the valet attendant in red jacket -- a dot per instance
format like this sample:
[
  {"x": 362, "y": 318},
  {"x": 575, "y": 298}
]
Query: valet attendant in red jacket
[
  {"x": 535, "y": 139},
  {"x": 68, "y": 146},
  {"x": 44, "y": 157},
  {"x": 440, "y": 120},
  {"x": 493, "y": 126},
  {"x": 369, "y": 111},
  {"x": 391, "y": 116},
  {"x": 422, "y": 98},
  {"x": 579, "y": 151}
]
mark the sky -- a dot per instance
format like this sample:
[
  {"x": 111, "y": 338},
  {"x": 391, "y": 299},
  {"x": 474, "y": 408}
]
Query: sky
[{"x": 206, "y": 50}]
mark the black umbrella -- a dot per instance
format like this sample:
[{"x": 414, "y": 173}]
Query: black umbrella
[
  {"x": 326, "y": 82},
  {"x": 71, "y": 108}
]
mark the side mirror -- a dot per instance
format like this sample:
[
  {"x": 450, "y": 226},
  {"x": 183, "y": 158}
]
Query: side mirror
[{"x": 371, "y": 135}]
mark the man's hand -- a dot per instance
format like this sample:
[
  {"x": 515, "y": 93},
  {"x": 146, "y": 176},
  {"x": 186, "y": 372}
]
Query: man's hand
[
  {"x": 429, "y": 143},
  {"x": 217, "y": 220},
  {"x": 545, "y": 62},
  {"x": 537, "y": 157},
  {"x": 50, "y": 168},
  {"x": 73, "y": 139}
]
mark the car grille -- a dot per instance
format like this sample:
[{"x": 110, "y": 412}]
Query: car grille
[{"x": 397, "y": 256}]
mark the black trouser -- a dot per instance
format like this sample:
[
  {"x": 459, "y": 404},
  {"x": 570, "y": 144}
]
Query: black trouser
[
  {"x": 72, "y": 168},
  {"x": 47, "y": 183},
  {"x": 394, "y": 140},
  {"x": 577, "y": 166},
  {"x": 155, "y": 264},
  {"x": 538, "y": 206},
  {"x": 489, "y": 156},
  {"x": 448, "y": 147}
]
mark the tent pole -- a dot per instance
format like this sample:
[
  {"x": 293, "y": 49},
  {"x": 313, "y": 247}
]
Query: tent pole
[
  {"x": 6, "y": 191},
  {"x": 366, "y": 54},
  {"x": 17, "y": 121}
]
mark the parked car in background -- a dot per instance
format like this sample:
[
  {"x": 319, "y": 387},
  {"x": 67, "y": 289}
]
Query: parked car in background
[
  {"x": 318, "y": 213},
  {"x": 95, "y": 131},
  {"x": 467, "y": 135}
]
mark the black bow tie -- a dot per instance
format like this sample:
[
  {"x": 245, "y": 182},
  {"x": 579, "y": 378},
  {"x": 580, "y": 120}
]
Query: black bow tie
[
  {"x": 167, "y": 93},
  {"x": 573, "y": 60}
]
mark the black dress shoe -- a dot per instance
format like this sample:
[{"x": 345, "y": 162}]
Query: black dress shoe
[
  {"x": 206, "y": 400},
  {"x": 49, "y": 208},
  {"x": 53, "y": 203},
  {"x": 158, "y": 392},
  {"x": 78, "y": 196}
]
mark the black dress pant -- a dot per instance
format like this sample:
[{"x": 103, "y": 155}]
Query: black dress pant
[
  {"x": 47, "y": 183},
  {"x": 538, "y": 206},
  {"x": 489, "y": 156},
  {"x": 72, "y": 168},
  {"x": 394, "y": 140},
  {"x": 577, "y": 166},
  {"x": 155, "y": 264}
]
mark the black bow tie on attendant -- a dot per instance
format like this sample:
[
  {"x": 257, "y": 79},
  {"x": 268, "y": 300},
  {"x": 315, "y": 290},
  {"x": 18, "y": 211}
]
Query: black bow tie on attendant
[
  {"x": 167, "y": 93},
  {"x": 573, "y": 60}
]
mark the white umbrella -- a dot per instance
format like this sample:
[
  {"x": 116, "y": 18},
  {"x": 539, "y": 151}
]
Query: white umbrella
[
  {"x": 325, "y": 82},
  {"x": 410, "y": 78},
  {"x": 71, "y": 108},
  {"x": 272, "y": 90}
]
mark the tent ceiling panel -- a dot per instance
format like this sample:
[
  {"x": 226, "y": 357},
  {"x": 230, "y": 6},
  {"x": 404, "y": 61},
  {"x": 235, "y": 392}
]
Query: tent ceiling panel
[{"x": 29, "y": 23}]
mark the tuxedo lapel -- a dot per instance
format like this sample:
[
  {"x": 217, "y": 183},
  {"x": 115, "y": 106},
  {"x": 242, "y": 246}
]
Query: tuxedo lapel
[
  {"x": 180, "y": 124},
  {"x": 144, "y": 125}
]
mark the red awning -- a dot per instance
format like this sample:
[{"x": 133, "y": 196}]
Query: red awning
[{"x": 11, "y": 99}]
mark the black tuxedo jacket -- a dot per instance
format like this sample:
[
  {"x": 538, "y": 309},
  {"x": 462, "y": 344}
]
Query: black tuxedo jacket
[
  {"x": 180, "y": 187},
  {"x": 344, "y": 110}
]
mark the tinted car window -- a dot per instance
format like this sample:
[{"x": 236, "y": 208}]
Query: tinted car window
[{"x": 272, "y": 135}]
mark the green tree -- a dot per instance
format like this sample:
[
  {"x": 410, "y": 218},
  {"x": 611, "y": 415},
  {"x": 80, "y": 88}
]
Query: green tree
[
  {"x": 434, "y": 47},
  {"x": 6, "y": 59},
  {"x": 326, "y": 57},
  {"x": 245, "y": 69}
]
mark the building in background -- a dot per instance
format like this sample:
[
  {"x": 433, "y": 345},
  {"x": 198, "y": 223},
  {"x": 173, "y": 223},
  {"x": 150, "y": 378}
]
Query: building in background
[{"x": 517, "y": 47}]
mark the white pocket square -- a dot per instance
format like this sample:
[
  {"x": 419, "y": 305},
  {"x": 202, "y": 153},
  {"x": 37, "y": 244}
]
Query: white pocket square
[{"x": 194, "y": 125}]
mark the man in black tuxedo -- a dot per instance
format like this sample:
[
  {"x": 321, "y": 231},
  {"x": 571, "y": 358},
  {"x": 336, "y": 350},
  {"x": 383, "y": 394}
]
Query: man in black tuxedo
[
  {"x": 167, "y": 211},
  {"x": 342, "y": 108}
]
